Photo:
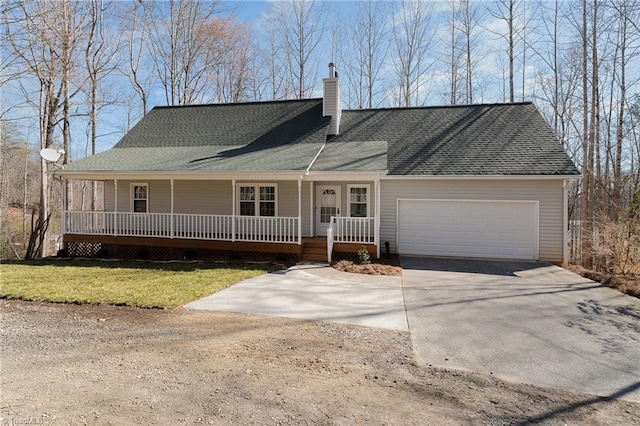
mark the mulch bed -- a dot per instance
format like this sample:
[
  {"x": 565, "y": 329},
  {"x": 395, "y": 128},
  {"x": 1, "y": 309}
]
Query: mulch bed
[{"x": 384, "y": 266}]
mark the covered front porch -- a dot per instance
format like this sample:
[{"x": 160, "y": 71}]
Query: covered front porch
[{"x": 280, "y": 216}]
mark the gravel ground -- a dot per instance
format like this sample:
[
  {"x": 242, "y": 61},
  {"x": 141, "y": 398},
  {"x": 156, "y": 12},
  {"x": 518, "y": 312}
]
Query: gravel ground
[{"x": 69, "y": 364}]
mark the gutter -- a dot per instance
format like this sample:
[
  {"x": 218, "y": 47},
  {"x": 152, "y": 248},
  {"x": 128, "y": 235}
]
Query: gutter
[{"x": 480, "y": 177}]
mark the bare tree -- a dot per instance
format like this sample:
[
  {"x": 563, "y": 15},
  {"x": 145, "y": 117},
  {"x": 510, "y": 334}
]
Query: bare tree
[
  {"x": 412, "y": 42},
  {"x": 44, "y": 37},
  {"x": 179, "y": 47},
  {"x": 368, "y": 47},
  {"x": 466, "y": 19},
  {"x": 505, "y": 10},
  {"x": 99, "y": 57},
  {"x": 299, "y": 31},
  {"x": 231, "y": 52},
  {"x": 138, "y": 57}
]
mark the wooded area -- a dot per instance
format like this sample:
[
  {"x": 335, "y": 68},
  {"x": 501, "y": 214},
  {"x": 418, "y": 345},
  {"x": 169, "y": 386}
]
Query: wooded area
[{"x": 75, "y": 73}]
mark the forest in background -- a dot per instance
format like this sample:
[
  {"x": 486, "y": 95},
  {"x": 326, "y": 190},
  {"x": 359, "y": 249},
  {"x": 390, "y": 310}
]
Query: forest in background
[{"x": 77, "y": 75}]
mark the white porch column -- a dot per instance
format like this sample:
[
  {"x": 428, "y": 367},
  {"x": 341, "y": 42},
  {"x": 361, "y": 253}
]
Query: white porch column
[
  {"x": 233, "y": 210},
  {"x": 65, "y": 207},
  {"x": 376, "y": 221},
  {"x": 312, "y": 219},
  {"x": 299, "y": 211},
  {"x": 172, "y": 218},
  {"x": 115, "y": 207}
]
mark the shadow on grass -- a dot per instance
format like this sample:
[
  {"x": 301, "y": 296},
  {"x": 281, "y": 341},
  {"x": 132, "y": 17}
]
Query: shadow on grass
[{"x": 178, "y": 266}]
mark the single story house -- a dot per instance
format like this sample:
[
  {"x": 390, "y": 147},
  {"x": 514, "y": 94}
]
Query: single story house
[{"x": 307, "y": 178}]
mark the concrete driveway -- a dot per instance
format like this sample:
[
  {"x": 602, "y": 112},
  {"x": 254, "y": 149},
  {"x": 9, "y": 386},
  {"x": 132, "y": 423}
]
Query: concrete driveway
[
  {"x": 316, "y": 292},
  {"x": 524, "y": 321}
]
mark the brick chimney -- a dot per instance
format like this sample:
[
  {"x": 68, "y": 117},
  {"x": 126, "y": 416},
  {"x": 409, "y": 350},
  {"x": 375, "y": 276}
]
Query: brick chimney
[{"x": 332, "y": 100}]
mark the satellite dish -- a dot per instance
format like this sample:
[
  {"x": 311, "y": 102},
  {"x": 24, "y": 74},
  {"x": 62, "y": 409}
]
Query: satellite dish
[{"x": 51, "y": 155}]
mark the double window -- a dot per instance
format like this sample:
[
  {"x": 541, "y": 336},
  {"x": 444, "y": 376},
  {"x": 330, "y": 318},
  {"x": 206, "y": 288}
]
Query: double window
[
  {"x": 257, "y": 200},
  {"x": 358, "y": 200},
  {"x": 140, "y": 197}
]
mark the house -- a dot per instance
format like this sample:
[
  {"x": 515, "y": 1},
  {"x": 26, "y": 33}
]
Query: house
[{"x": 308, "y": 179}]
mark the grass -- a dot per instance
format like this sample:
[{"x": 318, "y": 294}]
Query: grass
[{"x": 142, "y": 284}]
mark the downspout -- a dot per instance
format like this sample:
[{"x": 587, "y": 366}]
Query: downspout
[
  {"x": 307, "y": 173},
  {"x": 300, "y": 210},
  {"x": 315, "y": 158}
]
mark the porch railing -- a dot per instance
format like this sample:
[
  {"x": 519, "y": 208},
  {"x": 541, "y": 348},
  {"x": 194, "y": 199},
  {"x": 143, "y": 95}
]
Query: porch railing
[
  {"x": 357, "y": 230},
  {"x": 189, "y": 226},
  {"x": 354, "y": 230}
]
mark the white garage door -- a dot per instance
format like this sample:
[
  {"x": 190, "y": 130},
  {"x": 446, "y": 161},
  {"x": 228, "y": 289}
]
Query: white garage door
[{"x": 489, "y": 229}]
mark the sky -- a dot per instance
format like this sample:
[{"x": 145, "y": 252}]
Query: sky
[{"x": 113, "y": 121}]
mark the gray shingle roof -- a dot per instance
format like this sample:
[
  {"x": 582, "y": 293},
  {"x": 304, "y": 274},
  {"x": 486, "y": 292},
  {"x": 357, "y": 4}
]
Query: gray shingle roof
[
  {"x": 501, "y": 139},
  {"x": 259, "y": 136}
]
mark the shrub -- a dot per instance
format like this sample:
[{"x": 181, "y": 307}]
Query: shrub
[
  {"x": 363, "y": 256},
  {"x": 63, "y": 253}
]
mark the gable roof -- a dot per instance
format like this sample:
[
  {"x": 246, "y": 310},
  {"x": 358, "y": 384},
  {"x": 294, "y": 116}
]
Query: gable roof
[
  {"x": 258, "y": 136},
  {"x": 473, "y": 140},
  {"x": 498, "y": 139}
]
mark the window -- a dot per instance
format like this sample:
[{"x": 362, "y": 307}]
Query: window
[
  {"x": 139, "y": 197},
  {"x": 247, "y": 201},
  {"x": 264, "y": 204},
  {"x": 358, "y": 200},
  {"x": 267, "y": 201}
]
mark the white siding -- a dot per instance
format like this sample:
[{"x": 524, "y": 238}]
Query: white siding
[
  {"x": 332, "y": 104},
  {"x": 548, "y": 192}
]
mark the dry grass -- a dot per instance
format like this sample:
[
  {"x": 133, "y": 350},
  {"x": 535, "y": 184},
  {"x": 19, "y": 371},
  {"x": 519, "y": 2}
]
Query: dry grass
[
  {"x": 625, "y": 284},
  {"x": 142, "y": 284}
]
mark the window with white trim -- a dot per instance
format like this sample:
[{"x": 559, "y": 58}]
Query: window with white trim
[
  {"x": 358, "y": 200},
  {"x": 140, "y": 197},
  {"x": 257, "y": 200}
]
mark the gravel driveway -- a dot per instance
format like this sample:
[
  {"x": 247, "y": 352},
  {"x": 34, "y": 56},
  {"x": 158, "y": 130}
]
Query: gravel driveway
[
  {"x": 525, "y": 321},
  {"x": 101, "y": 365}
]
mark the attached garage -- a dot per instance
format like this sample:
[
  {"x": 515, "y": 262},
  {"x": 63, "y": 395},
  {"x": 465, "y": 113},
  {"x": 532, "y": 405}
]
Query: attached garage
[{"x": 468, "y": 228}]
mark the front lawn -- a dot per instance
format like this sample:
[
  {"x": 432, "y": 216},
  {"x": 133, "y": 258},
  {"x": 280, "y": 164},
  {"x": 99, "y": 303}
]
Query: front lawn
[{"x": 142, "y": 284}]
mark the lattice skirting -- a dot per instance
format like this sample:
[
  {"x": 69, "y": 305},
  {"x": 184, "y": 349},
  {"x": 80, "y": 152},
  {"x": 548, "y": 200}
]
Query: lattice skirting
[
  {"x": 100, "y": 250},
  {"x": 83, "y": 249}
]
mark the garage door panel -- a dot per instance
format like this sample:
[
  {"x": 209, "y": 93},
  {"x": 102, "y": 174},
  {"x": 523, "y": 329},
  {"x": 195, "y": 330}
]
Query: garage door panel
[{"x": 473, "y": 228}]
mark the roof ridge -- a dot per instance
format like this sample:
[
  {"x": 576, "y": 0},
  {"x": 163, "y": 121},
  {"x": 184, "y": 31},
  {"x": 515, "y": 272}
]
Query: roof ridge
[
  {"x": 494, "y": 104},
  {"x": 236, "y": 103}
]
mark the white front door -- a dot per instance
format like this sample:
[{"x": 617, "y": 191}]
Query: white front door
[{"x": 327, "y": 205}]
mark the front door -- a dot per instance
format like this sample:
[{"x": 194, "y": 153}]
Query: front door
[{"x": 327, "y": 205}]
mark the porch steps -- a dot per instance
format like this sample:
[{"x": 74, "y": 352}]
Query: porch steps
[{"x": 314, "y": 251}]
